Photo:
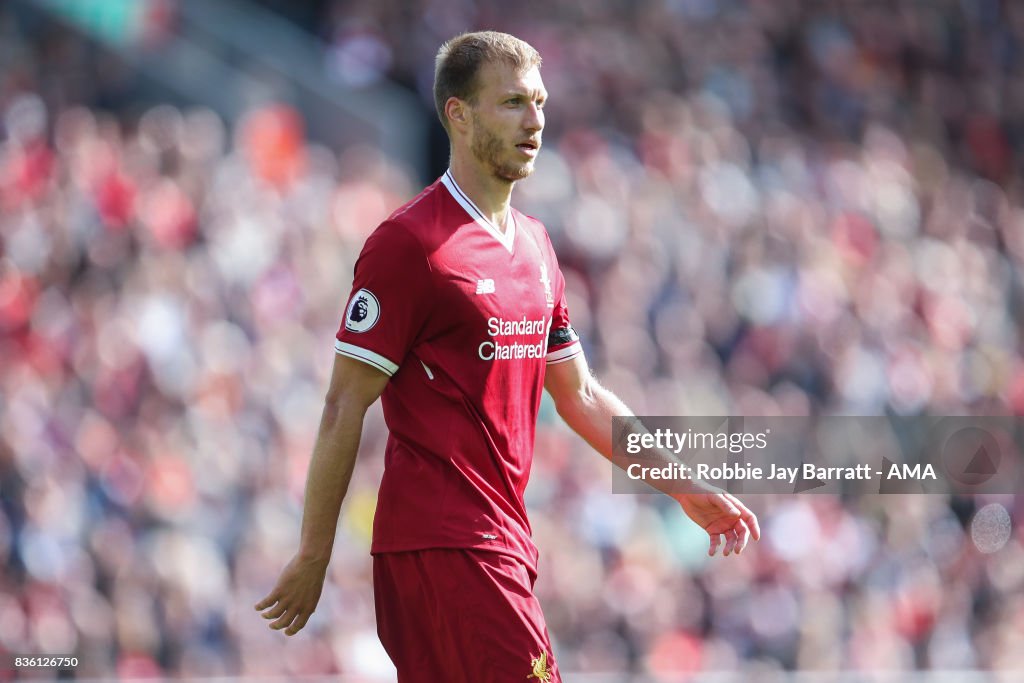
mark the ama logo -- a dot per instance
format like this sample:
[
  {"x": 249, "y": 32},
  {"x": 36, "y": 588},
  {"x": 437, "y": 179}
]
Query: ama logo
[{"x": 363, "y": 311}]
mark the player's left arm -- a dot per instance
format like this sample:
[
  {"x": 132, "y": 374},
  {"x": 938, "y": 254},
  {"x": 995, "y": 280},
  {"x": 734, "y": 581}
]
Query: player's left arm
[{"x": 588, "y": 408}]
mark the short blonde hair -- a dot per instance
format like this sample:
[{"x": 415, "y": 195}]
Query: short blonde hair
[{"x": 459, "y": 61}]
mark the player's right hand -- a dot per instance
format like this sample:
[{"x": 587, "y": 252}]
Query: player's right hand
[{"x": 295, "y": 596}]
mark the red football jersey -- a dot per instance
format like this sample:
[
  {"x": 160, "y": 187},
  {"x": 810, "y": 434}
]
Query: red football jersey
[{"x": 464, "y": 318}]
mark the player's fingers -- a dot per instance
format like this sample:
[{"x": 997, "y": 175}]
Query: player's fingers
[
  {"x": 285, "y": 621},
  {"x": 275, "y": 612},
  {"x": 730, "y": 542},
  {"x": 267, "y": 601},
  {"x": 743, "y": 534},
  {"x": 753, "y": 525},
  {"x": 716, "y": 539},
  {"x": 747, "y": 516},
  {"x": 298, "y": 624},
  {"x": 726, "y": 505}
]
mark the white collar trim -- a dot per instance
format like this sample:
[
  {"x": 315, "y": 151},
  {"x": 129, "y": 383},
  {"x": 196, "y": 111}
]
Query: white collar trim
[{"x": 506, "y": 238}]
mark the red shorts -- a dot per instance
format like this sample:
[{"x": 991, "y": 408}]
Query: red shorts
[{"x": 461, "y": 616}]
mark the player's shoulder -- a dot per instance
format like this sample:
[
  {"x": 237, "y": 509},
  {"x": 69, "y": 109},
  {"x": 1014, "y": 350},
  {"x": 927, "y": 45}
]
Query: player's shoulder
[
  {"x": 421, "y": 209},
  {"x": 408, "y": 220},
  {"x": 422, "y": 216},
  {"x": 531, "y": 223},
  {"x": 393, "y": 238},
  {"x": 527, "y": 218}
]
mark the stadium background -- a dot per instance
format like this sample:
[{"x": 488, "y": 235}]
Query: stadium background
[{"x": 760, "y": 207}]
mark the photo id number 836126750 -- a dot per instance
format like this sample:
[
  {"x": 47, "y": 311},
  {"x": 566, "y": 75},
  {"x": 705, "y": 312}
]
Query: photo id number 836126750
[{"x": 44, "y": 662}]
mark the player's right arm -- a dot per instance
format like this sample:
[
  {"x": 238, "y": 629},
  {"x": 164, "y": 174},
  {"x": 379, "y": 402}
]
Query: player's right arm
[{"x": 354, "y": 387}]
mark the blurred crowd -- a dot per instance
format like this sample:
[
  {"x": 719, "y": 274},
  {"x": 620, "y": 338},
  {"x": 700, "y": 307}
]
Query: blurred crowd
[{"x": 761, "y": 208}]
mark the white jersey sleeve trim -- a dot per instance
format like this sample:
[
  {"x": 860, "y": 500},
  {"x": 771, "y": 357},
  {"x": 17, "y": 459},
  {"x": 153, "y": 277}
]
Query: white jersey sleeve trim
[
  {"x": 369, "y": 357},
  {"x": 565, "y": 353}
]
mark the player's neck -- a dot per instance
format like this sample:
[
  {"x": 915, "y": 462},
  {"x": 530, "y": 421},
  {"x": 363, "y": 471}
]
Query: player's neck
[{"x": 491, "y": 195}]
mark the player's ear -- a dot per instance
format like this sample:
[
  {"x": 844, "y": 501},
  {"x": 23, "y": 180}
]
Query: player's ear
[{"x": 458, "y": 112}]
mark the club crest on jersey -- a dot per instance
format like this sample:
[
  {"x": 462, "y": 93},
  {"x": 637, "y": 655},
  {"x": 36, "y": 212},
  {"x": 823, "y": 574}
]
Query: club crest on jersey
[
  {"x": 363, "y": 311},
  {"x": 546, "y": 281},
  {"x": 539, "y": 665}
]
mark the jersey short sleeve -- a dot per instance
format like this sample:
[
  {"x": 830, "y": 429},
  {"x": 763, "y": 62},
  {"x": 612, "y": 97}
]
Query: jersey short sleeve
[
  {"x": 390, "y": 299},
  {"x": 563, "y": 342}
]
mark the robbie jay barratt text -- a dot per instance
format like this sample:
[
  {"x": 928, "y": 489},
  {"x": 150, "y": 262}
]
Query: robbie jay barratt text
[{"x": 746, "y": 471}]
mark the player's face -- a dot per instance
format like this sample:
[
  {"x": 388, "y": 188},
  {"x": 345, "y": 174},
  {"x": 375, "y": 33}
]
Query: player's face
[{"x": 507, "y": 120}]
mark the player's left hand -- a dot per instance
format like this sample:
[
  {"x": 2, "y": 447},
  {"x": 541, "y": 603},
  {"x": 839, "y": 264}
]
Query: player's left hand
[{"x": 722, "y": 515}]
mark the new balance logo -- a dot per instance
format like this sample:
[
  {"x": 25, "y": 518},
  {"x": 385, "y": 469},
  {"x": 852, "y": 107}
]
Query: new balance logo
[{"x": 485, "y": 286}]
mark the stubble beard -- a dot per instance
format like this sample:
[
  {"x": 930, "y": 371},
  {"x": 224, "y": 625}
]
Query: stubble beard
[{"x": 487, "y": 149}]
